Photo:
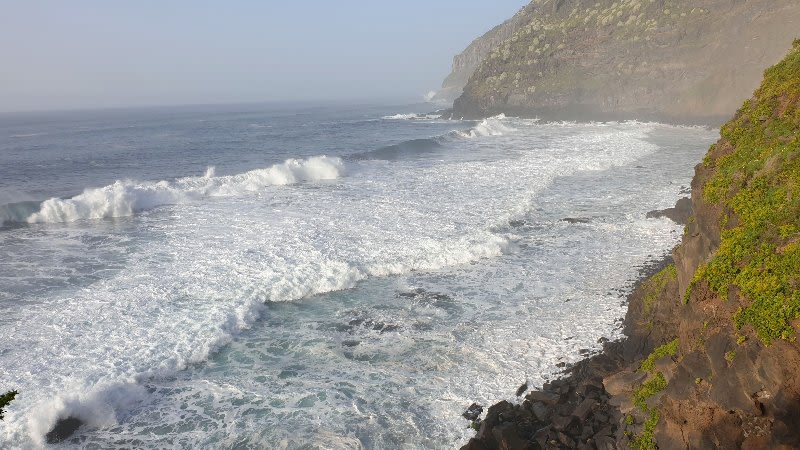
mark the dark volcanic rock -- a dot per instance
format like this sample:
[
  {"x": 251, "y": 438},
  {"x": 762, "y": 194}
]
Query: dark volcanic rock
[
  {"x": 564, "y": 413},
  {"x": 679, "y": 214},
  {"x": 576, "y": 220},
  {"x": 473, "y": 412},
  {"x": 64, "y": 428}
]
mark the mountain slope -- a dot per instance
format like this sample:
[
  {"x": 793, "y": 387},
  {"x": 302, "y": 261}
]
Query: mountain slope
[
  {"x": 671, "y": 60},
  {"x": 465, "y": 63}
]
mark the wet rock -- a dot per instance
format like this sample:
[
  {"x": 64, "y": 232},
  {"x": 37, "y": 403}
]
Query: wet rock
[
  {"x": 521, "y": 390},
  {"x": 475, "y": 444},
  {"x": 507, "y": 437},
  {"x": 548, "y": 398},
  {"x": 679, "y": 214},
  {"x": 64, "y": 429},
  {"x": 473, "y": 412},
  {"x": 576, "y": 220}
]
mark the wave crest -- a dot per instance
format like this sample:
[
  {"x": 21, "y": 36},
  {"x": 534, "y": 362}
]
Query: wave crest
[
  {"x": 491, "y": 126},
  {"x": 413, "y": 116},
  {"x": 125, "y": 198}
]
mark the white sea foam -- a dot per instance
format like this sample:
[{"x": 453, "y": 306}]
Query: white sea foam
[
  {"x": 124, "y": 198},
  {"x": 492, "y": 126},
  {"x": 413, "y": 116},
  {"x": 194, "y": 279}
]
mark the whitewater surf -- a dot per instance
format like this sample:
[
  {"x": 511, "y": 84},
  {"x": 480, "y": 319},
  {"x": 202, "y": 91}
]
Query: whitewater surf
[{"x": 349, "y": 277}]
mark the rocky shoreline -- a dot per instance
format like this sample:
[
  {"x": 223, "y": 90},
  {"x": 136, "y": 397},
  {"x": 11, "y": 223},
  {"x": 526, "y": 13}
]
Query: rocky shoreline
[
  {"x": 711, "y": 355},
  {"x": 581, "y": 409}
]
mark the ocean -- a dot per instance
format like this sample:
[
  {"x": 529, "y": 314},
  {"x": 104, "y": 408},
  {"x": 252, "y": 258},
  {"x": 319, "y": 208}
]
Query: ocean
[{"x": 303, "y": 277}]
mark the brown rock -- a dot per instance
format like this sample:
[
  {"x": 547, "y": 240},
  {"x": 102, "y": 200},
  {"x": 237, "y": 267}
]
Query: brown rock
[
  {"x": 475, "y": 444},
  {"x": 548, "y": 398},
  {"x": 584, "y": 410},
  {"x": 623, "y": 383},
  {"x": 605, "y": 443}
]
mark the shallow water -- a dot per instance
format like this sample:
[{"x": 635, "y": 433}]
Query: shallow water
[{"x": 359, "y": 295}]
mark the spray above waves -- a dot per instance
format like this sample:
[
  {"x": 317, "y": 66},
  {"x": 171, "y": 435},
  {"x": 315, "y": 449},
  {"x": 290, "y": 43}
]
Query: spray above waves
[
  {"x": 17, "y": 212},
  {"x": 492, "y": 126},
  {"x": 124, "y": 198}
]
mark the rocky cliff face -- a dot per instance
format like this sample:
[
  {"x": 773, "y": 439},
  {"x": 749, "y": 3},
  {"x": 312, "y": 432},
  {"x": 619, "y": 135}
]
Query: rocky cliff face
[
  {"x": 733, "y": 380},
  {"x": 465, "y": 63},
  {"x": 671, "y": 60},
  {"x": 712, "y": 358}
]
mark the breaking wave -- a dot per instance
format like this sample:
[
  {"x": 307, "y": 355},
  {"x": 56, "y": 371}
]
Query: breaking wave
[
  {"x": 492, "y": 126},
  {"x": 402, "y": 150},
  {"x": 123, "y": 198},
  {"x": 413, "y": 116}
]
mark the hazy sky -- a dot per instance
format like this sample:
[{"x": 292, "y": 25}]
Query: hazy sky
[{"x": 78, "y": 54}]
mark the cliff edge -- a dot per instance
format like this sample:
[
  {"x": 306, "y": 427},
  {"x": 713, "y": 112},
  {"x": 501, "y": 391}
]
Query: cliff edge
[
  {"x": 679, "y": 61},
  {"x": 712, "y": 358},
  {"x": 466, "y": 62}
]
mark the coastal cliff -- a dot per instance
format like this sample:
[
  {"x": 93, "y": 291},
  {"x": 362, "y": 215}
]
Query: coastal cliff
[
  {"x": 711, "y": 356},
  {"x": 466, "y": 62},
  {"x": 680, "y": 61}
]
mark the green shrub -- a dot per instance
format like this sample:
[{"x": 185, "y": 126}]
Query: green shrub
[
  {"x": 668, "y": 349},
  {"x": 645, "y": 440},
  {"x": 656, "y": 284},
  {"x": 5, "y": 399},
  {"x": 759, "y": 182}
]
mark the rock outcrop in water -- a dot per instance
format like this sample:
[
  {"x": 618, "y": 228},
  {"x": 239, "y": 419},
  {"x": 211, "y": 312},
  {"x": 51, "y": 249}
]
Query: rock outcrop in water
[
  {"x": 712, "y": 358},
  {"x": 685, "y": 61}
]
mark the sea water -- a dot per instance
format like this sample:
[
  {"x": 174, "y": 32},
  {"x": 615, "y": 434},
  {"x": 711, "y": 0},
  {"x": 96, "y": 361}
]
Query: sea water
[{"x": 288, "y": 276}]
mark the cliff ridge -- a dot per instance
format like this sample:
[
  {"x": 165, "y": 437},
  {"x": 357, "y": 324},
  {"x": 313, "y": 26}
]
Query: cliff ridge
[{"x": 676, "y": 61}]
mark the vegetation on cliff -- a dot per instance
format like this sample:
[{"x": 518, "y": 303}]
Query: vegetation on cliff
[
  {"x": 655, "y": 285},
  {"x": 688, "y": 376},
  {"x": 5, "y": 399},
  {"x": 757, "y": 183},
  {"x": 669, "y": 60}
]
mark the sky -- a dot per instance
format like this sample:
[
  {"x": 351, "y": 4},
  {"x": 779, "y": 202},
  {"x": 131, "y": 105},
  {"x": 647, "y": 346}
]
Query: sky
[{"x": 57, "y": 54}]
